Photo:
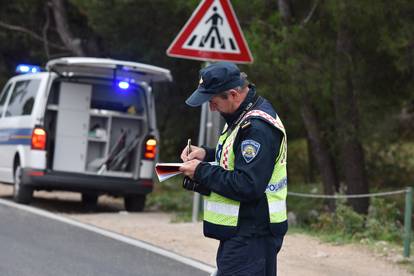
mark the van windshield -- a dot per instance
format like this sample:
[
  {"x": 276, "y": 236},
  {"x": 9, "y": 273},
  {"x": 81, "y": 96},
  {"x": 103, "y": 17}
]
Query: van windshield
[{"x": 108, "y": 97}]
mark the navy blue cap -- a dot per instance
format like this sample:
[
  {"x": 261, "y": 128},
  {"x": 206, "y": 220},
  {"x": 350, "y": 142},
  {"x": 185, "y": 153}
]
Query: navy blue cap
[{"x": 215, "y": 79}]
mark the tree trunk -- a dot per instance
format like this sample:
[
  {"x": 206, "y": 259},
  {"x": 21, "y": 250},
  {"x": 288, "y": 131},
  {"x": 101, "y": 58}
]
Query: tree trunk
[
  {"x": 324, "y": 160},
  {"x": 312, "y": 168},
  {"x": 346, "y": 111},
  {"x": 285, "y": 10},
  {"x": 321, "y": 154},
  {"x": 60, "y": 14}
]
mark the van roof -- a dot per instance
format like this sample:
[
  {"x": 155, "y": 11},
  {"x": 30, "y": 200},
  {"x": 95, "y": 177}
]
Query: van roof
[{"x": 108, "y": 68}]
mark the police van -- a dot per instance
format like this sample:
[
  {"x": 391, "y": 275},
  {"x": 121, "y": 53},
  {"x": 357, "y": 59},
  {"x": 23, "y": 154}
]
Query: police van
[{"x": 85, "y": 125}]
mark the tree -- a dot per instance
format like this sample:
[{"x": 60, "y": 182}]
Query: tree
[
  {"x": 326, "y": 60},
  {"x": 63, "y": 29},
  {"x": 340, "y": 73},
  {"x": 347, "y": 115}
]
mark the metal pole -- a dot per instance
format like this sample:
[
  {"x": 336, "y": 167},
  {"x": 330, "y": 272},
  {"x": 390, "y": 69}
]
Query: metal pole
[
  {"x": 201, "y": 141},
  {"x": 407, "y": 221}
]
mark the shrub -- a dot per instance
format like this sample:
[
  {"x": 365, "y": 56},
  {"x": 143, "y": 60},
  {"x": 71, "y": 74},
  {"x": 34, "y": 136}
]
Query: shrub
[
  {"x": 391, "y": 164},
  {"x": 344, "y": 221},
  {"x": 383, "y": 222},
  {"x": 298, "y": 165},
  {"x": 169, "y": 196}
]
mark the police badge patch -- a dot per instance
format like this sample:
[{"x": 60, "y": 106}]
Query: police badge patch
[{"x": 250, "y": 149}]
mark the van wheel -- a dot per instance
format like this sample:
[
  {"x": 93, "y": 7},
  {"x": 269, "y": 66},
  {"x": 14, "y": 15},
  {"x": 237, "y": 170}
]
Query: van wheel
[
  {"x": 21, "y": 193},
  {"x": 134, "y": 203},
  {"x": 89, "y": 199}
]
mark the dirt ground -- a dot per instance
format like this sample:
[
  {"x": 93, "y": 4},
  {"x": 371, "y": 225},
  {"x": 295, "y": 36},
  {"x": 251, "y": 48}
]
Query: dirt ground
[{"x": 300, "y": 255}]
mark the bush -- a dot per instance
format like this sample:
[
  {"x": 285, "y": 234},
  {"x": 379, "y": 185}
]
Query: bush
[
  {"x": 169, "y": 196},
  {"x": 347, "y": 221},
  {"x": 383, "y": 222},
  {"x": 306, "y": 210},
  {"x": 298, "y": 165},
  {"x": 344, "y": 222},
  {"x": 390, "y": 164}
]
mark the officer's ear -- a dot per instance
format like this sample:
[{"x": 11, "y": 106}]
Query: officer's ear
[{"x": 234, "y": 94}]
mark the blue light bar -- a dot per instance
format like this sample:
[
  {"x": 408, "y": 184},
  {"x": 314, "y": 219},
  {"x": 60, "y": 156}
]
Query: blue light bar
[
  {"x": 123, "y": 85},
  {"x": 25, "y": 68}
]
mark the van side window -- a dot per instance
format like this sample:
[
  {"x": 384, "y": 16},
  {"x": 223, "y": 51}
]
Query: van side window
[
  {"x": 3, "y": 97},
  {"x": 22, "y": 98}
]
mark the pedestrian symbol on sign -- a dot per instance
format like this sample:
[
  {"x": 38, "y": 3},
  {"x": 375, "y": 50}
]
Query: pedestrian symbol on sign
[
  {"x": 214, "y": 22},
  {"x": 213, "y": 33}
]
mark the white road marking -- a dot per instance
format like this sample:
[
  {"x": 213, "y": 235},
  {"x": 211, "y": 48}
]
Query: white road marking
[{"x": 112, "y": 235}]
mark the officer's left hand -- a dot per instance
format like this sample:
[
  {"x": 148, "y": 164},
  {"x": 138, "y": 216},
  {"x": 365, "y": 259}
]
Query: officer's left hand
[{"x": 188, "y": 168}]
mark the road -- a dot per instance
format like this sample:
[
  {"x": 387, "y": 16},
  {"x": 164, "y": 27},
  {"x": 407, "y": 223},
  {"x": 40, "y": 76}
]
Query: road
[
  {"x": 38, "y": 246},
  {"x": 301, "y": 255}
]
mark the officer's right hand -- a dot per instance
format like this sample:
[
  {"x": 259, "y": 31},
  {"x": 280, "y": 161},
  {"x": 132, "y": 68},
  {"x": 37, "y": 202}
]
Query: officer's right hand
[{"x": 196, "y": 153}]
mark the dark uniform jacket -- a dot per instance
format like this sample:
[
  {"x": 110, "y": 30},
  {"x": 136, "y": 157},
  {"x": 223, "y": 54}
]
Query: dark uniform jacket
[{"x": 248, "y": 182}]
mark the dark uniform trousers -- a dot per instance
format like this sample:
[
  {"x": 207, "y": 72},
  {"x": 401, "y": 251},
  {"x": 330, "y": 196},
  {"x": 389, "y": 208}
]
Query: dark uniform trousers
[{"x": 241, "y": 256}]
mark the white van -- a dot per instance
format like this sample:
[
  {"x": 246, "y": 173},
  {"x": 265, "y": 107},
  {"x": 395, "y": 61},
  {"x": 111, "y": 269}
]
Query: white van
[{"x": 85, "y": 125}]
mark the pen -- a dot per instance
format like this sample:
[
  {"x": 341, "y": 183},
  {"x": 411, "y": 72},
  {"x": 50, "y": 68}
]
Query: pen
[{"x": 188, "y": 146}]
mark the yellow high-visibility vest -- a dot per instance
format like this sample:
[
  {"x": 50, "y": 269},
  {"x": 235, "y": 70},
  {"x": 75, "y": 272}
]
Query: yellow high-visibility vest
[{"x": 223, "y": 211}]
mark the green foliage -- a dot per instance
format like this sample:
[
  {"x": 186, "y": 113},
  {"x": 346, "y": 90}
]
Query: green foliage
[
  {"x": 390, "y": 164},
  {"x": 18, "y": 47},
  {"x": 292, "y": 59},
  {"x": 298, "y": 171},
  {"x": 344, "y": 222},
  {"x": 306, "y": 210},
  {"x": 169, "y": 196},
  {"x": 383, "y": 222}
]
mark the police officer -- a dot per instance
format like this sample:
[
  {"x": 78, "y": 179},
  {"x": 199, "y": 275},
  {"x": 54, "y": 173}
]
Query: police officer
[{"x": 245, "y": 191}]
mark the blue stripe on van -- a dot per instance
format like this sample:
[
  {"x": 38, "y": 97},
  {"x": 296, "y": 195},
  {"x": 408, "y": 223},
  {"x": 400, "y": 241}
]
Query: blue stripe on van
[{"x": 16, "y": 136}]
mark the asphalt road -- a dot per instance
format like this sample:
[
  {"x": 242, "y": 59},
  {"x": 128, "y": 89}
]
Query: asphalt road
[{"x": 37, "y": 246}]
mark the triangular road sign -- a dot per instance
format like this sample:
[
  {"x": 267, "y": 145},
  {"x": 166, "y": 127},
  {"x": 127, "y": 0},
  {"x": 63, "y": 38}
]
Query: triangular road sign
[{"x": 212, "y": 34}]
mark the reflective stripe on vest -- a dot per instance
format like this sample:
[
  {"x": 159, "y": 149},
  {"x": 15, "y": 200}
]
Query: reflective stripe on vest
[{"x": 220, "y": 210}]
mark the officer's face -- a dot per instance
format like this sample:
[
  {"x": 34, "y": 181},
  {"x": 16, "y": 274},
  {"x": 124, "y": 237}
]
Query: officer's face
[{"x": 223, "y": 104}]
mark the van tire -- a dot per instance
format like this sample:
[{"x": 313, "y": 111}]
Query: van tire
[
  {"x": 89, "y": 199},
  {"x": 21, "y": 193},
  {"x": 134, "y": 203}
]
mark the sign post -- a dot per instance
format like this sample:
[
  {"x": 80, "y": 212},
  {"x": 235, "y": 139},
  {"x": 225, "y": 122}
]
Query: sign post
[
  {"x": 211, "y": 34},
  {"x": 201, "y": 141}
]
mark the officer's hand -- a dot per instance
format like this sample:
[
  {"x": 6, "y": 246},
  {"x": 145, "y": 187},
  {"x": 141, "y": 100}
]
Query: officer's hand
[
  {"x": 196, "y": 153},
  {"x": 189, "y": 167}
]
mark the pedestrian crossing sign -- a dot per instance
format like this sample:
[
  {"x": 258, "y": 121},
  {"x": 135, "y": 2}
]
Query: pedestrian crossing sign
[{"x": 212, "y": 34}]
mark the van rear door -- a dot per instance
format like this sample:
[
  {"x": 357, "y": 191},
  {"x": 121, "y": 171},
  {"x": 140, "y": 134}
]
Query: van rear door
[
  {"x": 107, "y": 113},
  {"x": 117, "y": 70}
]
